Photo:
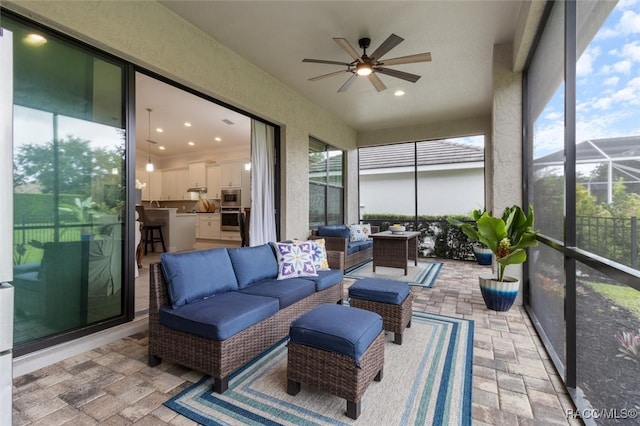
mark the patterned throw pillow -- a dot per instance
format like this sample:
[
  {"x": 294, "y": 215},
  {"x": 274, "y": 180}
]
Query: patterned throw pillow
[
  {"x": 359, "y": 232},
  {"x": 319, "y": 254},
  {"x": 295, "y": 260}
]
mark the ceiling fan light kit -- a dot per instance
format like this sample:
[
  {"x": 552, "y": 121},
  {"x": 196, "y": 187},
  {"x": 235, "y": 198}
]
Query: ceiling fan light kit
[{"x": 368, "y": 66}]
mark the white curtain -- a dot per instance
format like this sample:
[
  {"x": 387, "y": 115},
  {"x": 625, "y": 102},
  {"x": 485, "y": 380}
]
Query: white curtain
[{"x": 262, "y": 223}]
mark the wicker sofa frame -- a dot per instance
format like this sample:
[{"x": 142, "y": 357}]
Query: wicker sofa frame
[
  {"x": 344, "y": 260},
  {"x": 221, "y": 358}
]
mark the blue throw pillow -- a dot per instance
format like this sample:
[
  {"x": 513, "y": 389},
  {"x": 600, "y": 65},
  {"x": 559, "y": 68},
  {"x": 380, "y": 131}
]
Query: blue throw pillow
[
  {"x": 196, "y": 275},
  {"x": 253, "y": 264}
]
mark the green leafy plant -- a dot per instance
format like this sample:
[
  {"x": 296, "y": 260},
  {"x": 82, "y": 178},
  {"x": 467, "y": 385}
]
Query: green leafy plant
[
  {"x": 629, "y": 345},
  {"x": 505, "y": 236}
]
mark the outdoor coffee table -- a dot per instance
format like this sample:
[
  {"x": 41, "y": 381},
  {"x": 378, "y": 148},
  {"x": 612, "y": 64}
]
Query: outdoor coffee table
[{"x": 395, "y": 249}]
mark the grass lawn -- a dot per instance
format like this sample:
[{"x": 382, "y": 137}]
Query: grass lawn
[{"x": 622, "y": 296}]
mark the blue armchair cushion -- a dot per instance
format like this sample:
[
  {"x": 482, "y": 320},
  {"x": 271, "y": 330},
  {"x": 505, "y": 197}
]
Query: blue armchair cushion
[
  {"x": 380, "y": 290},
  {"x": 253, "y": 264},
  {"x": 287, "y": 292},
  {"x": 353, "y": 247},
  {"x": 221, "y": 316},
  {"x": 195, "y": 275},
  {"x": 337, "y": 328},
  {"x": 340, "y": 231}
]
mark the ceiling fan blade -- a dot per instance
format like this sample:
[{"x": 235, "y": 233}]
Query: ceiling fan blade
[
  {"x": 420, "y": 57},
  {"x": 347, "y": 83},
  {"x": 322, "y": 61},
  {"x": 391, "y": 42},
  {"x": 377, "y": 83},
  {"x": 342, "y": 42},
  {"x": 328, "y": 75},
  {"x": 398, "y": 74}
]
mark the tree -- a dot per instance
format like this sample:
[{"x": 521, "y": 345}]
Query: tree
[{"x": 73, "y": 170}]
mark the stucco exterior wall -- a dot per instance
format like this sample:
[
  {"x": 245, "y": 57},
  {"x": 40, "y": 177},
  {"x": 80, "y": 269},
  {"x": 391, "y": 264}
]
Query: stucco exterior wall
[
  {"x": 149, "y": 35},
  {"x": 440, "y": 192}
]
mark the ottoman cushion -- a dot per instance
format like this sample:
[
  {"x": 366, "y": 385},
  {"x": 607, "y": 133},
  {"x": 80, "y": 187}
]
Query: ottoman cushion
[
  {"x": 342, "y": 329},
  {"x": 380, "y": 290}
]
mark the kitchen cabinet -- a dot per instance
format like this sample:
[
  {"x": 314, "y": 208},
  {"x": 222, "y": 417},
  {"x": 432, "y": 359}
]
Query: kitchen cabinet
[
  {"x": 231, "y": 174},
  {"x": 245, "y": 196},
  {"x": 197, "y": 174},
  {"x": 175, "y": 184},
  {"x": 154, "y": 185},
  {"x": 213, "y": 182},
  {"x": 209, "y": 226}
]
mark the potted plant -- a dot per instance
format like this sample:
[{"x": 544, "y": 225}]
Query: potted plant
[{"x": 506, "y": 237}]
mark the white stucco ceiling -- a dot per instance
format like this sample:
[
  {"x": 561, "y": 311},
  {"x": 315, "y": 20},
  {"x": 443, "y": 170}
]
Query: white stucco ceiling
[{"x": 277, "y": 35}]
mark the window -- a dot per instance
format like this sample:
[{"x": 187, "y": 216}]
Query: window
[
  {"x": 326, "y": 184},
  {"x": 69, "y": 186}
]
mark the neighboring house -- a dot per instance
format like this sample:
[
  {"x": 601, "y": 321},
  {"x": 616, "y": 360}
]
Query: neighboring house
[{"x": 450, "y": 178}]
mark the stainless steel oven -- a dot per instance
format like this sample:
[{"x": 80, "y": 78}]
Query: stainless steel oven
[
  {"x": 230, "y": 198},
  {"x": 229, "y": 220}
]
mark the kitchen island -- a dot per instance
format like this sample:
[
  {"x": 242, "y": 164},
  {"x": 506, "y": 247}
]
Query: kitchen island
[{"x": 178, "y": 229}]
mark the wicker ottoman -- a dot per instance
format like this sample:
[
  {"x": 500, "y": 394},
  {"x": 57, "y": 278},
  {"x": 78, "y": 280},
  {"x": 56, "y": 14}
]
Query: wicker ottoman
[
  {"x": 392, "y": 300},
  {"x": 337, "y": 349}
]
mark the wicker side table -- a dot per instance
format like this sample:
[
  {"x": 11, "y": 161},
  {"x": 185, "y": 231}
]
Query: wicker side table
[
  {"x": 314, "y": 361},
  {"x": 392, "y": 300}
]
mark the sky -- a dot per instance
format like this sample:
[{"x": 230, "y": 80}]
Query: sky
[{"x": 607, "y": 85}]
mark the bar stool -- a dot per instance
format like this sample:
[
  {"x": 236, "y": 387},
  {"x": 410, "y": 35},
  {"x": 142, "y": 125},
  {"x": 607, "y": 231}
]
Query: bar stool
[{"x": 148, "y": 228}]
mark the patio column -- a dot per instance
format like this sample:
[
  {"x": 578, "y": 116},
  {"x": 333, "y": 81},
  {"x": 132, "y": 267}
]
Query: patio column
[{"x": 503, "y": 157}]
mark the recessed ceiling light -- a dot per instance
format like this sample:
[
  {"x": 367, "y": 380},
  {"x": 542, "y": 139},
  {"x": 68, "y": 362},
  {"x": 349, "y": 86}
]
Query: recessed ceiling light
[
  {"x": 217, "y": 139},
  {"x": 187, "y": 124},
  {"x": 161, "y": 148},
  {"x": 191, "y": 143},
  {"x": 159, "y": 130},
  {"x": 35, "y": 39},
  {"x": 399, "y": 93}
]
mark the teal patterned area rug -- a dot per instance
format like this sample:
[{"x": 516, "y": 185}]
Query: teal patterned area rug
[
  {"x": 423, "y": 275},
  {"x": 426, "y": 381}
]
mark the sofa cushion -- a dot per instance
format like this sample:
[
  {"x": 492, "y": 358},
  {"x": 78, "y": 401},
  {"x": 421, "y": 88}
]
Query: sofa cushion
[
  {"x": 358, "y": 246},
  {"x": 287, "y": 292},
  {"x": 319, "y": 254},
  {"x": 340, "y": 231},
  {"x": 337, "y": 328},
  {"x": 221, "y": 316},
  {"x": 294, "y": 260},
  {"x": 326, "y": 279},
  {"x": 253, "y": 264},
  {"x": 195, "y": 275}
]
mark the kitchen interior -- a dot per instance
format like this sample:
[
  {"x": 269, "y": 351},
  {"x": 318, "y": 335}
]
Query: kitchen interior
[{"x": 193, "y": 169}]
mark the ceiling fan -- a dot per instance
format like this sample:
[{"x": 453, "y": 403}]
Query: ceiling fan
[{"x": 370, "y": 65}]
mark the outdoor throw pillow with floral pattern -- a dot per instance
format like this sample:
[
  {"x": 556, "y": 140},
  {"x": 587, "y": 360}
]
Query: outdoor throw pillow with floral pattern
[
  {"x": 295, "y": 260},
  {"x": 319, "y": 254},
  {"x": 359, "y": 232}
]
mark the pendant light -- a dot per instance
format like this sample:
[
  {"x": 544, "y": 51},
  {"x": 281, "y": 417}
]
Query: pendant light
[{"x": 149, "y": 163}]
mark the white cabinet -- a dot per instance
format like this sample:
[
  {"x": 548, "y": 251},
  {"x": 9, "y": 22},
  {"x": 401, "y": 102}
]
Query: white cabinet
[
  {"x": 154, "y": 185},
  {"x": 197, "y": 174},
  {"x": 209, "y": 226},
  {"x": 245, "y": 196},
  {"x": 213, "y": 182},
  {"x": 231, "y": 175},
  {"x": 174, "y": 184}
]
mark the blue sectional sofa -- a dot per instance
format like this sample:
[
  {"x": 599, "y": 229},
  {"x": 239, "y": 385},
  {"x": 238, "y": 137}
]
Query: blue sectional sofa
[{"x": 215, "y": 310}]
